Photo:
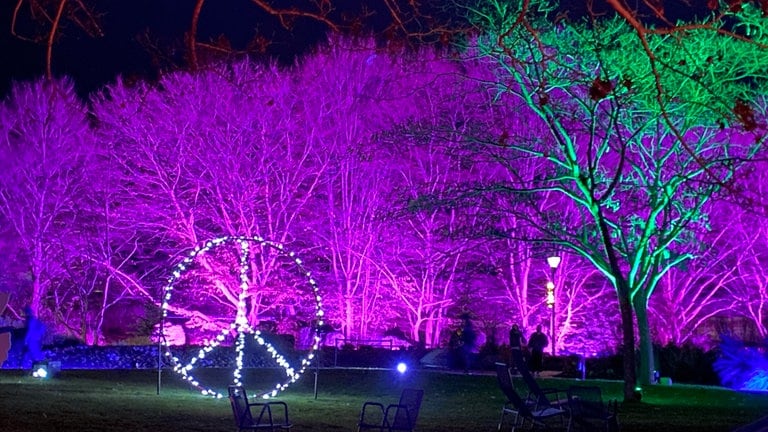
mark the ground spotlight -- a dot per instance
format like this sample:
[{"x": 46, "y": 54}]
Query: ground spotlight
[
  {"x": 45, "y": 370},
  {"x": 638, "y": 393},
  {"x": 402, "y": 367}
]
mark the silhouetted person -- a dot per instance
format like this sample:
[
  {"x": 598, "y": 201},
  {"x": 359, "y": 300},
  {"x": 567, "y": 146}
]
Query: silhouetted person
[
  {"x": 516, "y": 338},
  {"x": 516, "y": 343},
  {"x": 468, "y": 339},
  {"x": 537, "y": 343},
  {"x": 33, "y": 339}
]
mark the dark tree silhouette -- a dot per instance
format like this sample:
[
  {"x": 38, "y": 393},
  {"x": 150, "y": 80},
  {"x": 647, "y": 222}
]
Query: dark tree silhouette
[{"x": 42, "y": 21}]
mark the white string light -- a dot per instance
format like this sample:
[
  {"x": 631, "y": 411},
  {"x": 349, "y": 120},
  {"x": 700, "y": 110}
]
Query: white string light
[{"x": 240, "y": 327}]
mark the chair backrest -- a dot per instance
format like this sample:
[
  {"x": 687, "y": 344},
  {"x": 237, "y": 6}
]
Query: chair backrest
[
  {"x": 530, "y": 382},
  {"x": 508, "y": 388},
  {"x": 407, "y": 411},
  {"x": 239, "y": 401},
  {"x": 504, "y": 378},
  {"x": 587, "y": 402}
]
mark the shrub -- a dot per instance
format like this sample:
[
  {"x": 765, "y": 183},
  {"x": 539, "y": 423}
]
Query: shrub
[{"x": 687, "y": 364}]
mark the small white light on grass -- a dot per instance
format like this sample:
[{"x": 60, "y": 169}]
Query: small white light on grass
[
  {"x": 402, "y": 367},
  {"x": 41, "y": 372}
]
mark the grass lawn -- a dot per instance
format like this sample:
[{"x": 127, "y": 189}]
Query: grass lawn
[{"x": 128, "y": 401}]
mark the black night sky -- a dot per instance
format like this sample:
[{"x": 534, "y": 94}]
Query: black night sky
[{"x": 143, "y": 38}]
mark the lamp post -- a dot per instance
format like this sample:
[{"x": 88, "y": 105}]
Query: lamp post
[{"x": 553, "y": 262}]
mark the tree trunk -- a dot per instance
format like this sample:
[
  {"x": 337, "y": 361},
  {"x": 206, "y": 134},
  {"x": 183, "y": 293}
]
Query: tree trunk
[
  {"x": 625, "y": 308},
  {"x": 37, "y": 273},
  {"x": 645, "y": 372},
  {"x": 429, "y": 331},
  {"x": 348, "y": 317},
  {"x": 628, "y": 343}
]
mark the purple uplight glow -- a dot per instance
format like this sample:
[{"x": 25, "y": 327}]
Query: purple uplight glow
[{"x": 396, "y": 177}]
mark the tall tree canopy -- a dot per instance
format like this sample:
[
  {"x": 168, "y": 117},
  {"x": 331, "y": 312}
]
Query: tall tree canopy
[{"x": 637, "y": 143}]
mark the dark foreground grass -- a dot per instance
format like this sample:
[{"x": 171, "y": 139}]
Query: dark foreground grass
[{"x": 128, "y": 401}]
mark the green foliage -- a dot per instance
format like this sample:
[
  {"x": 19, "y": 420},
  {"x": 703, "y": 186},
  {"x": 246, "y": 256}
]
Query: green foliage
[
  {"x": 645, "y": 126},
  {"x": 708, "y": 70}
]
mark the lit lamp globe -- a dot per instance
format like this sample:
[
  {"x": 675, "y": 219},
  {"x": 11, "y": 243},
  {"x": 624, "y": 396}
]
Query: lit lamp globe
[{"x": 553, "y": 262}]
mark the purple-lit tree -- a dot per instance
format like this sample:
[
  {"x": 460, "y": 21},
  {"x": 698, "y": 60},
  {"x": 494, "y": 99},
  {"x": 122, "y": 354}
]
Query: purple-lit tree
[
  {"x": 517, "y": 261},
  {"x": 748, "y": 235},
  {"x": 523, "y": 270},
  {"x": 13, "y": 271},
  {"x": 521, "y": 291},
  {"x": 585, "y": 311},
  {"x": 421, "y": 255},
  {"x": 638, "y": 160},
  {"x": 689, "y": 295},
  {"x": 430, "y": 254},
  {"x": 51, "y": 198},
  {"x": 287, "y": 154},
  {"x": 46, "y": 150},
  {"x": 750, "y": 292},
  {"x": 360, "y": 95},
  {"x": 232, "y": 150},
  {"x": 99, "y": 261},
  {"x": 350, "y": 226}
]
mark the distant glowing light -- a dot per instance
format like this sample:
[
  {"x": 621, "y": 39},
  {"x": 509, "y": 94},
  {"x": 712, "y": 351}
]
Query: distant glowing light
[
  {"x": 240, "y": 327},
  {"x": 46, "y": 369},
  {"x": 550, "y": 294},
  {"x": 402, "y": 367}
]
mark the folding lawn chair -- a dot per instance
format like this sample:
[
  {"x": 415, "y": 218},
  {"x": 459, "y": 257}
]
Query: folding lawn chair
[
  {"x": 528, "y": 413},
  {"x": 589, "y": 412},
  {"x": 401, "y": 416},
  {"x": 261, "y": 416}
]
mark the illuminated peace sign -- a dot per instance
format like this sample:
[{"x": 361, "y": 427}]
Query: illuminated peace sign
[{"x": 240, "y": 326}]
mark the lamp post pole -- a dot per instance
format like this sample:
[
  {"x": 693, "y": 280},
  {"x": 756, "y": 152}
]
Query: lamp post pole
[{"x": 553, "y": 262}]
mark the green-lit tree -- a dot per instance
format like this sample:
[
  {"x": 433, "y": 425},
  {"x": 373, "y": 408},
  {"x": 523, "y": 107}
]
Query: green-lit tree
[{"x": 640, "y": 130}]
